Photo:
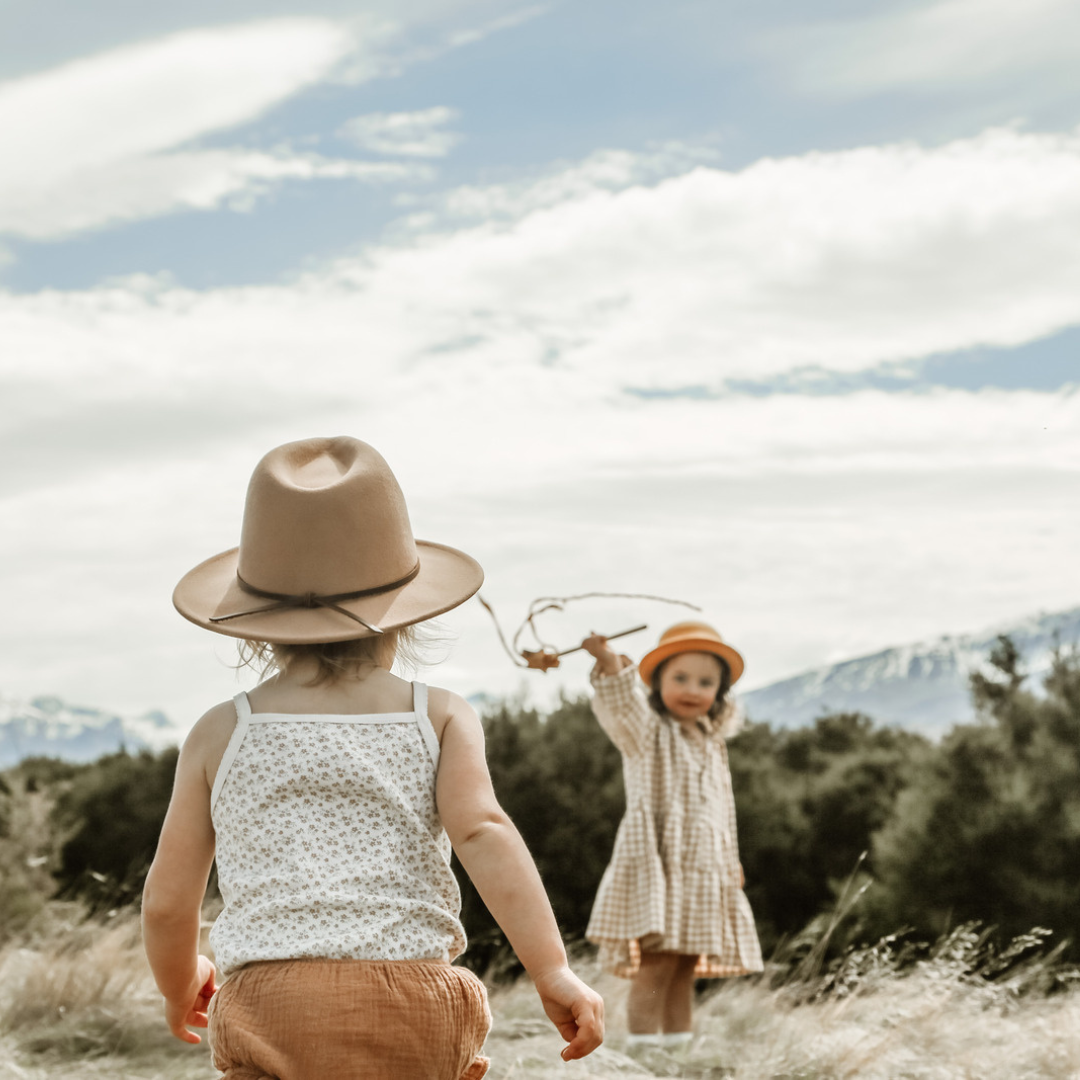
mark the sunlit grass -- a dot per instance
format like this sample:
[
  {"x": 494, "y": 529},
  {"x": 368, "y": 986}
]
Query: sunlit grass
[
  {"x": 77, "y": 1000},
  {"x": 936, "y": 1019}
]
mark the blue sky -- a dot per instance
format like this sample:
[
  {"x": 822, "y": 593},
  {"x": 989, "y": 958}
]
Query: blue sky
[{"x": 772, "y": 307}]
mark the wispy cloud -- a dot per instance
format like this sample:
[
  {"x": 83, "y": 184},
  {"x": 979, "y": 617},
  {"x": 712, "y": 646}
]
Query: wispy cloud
[
  {"x": 947, "y": 43},
  {"x": 406, "y": 134},
  {"x": 146, "y": 187},
  {"x": 108, "y": 139},
  {"x": 501, "y": 22},
  {"x": 838, "y": 261},
  {"x": 841, "y": 262},
  {"x": 115, "y": 137},
  {"x": 559, "y": 184}
]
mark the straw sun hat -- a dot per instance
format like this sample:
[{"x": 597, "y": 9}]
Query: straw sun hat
[
  {"x": 690, "y": 637},
  {"x": 326, "y": 554}
]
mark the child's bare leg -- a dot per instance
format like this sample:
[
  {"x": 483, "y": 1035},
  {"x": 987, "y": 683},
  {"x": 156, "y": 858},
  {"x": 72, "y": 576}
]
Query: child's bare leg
[
  {"x": 649, "y": 991},
  {"x": 679, "y": 1000}
]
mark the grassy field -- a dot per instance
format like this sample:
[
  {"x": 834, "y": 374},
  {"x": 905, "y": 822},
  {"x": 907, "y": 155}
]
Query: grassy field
[{"x": 77, "y": 1001}]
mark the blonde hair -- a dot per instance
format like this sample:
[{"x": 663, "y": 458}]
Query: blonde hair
[{"x": 336, "y": 660}]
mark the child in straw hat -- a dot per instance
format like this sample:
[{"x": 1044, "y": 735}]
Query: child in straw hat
[
  {"x": 331, "y": 795},
  {"x": 671, "y": 906}
]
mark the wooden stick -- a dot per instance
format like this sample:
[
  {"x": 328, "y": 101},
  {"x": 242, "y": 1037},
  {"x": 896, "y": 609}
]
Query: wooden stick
[{"x": 610, "y": 637}]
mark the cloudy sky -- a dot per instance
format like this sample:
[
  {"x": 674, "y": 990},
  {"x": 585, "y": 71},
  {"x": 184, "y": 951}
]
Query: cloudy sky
[{"x": 769, "y": 306}]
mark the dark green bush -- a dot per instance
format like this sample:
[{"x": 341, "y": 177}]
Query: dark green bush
[
  {"x": 111, "y": 814},
  {"x": 990, "y": 830}
]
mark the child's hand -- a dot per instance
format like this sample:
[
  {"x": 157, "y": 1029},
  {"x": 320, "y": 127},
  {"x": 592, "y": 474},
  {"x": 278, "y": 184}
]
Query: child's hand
[
  {"x": 608, "y": 661},
  {"x": 596, "y": 645},
  {"x": 182, "y": 1015},
  {"x": 574, "y": 1009}
]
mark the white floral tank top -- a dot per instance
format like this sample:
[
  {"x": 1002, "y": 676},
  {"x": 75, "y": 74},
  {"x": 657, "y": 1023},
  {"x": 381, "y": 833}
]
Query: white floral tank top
[{"x": 328, "y": 840}]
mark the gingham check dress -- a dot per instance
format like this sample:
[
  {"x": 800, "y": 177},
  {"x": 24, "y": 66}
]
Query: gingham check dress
[{"x": 674, "y": 880}]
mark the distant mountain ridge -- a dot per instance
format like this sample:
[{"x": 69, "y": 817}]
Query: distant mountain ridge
[
  {"x": 47, "y": 727},
  {"x": 922, "y": 687}
]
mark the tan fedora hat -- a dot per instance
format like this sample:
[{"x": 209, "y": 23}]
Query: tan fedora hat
[
  {"x": 690, "y": 637},
  {"x": 326, "y": 554}
]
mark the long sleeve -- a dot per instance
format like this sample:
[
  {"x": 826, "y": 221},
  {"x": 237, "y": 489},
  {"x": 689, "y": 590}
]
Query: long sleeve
[{"x": 623, "y": 711}]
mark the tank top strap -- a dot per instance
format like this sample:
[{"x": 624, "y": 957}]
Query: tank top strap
[
  {"x": 243, "y": 719},
  {"x": 423, "y": 721}
]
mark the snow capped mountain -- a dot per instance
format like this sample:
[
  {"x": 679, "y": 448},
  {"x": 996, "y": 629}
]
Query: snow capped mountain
[
  {"x": 48, "y": 727},
  {"x": 922, "y": 687}
]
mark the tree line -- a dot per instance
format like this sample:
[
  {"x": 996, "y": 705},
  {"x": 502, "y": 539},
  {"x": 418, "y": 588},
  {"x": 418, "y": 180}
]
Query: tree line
[{"x": 982, "y": 826}]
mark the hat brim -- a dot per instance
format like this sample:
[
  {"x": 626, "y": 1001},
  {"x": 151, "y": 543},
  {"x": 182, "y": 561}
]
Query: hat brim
[
  {"x": 652, "y": 660},
  {"x": 447, "y": 578}
]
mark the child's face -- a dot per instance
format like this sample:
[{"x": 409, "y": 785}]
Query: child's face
[{"x": 689, "y": 683}]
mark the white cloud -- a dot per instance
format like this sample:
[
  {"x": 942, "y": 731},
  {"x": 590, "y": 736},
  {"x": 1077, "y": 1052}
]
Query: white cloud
[
  {"x": 801, "y": 524},
  {"x": 489, "y": 364},
  {"x": 959, "y": 43},
  {"x": 144, "y": 187},
  {"x": 107, "y": 139},
  {"x": 145, "y": 98},
  {"x": 842, "y": 261},
  {"x": 407, "y": 134},
  {"x": 101, "y": 140},
  {"x": 563, "y": 182}
]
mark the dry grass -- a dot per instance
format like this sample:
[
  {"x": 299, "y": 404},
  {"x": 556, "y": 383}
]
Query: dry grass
[
  {"x": 936, "y": 1021},
  {"x": 78, "y": 1002}
]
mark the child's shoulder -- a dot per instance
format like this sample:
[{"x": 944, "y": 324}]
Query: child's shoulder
[
  {"x": 205, "y": 744},
  {"x": 212, "y": 722},
  {"x": 444, "y": 705}
]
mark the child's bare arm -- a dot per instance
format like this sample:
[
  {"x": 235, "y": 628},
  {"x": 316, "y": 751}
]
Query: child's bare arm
[
  {"x": 173, "y": 895},
  {"x": 495, "y": 858}
]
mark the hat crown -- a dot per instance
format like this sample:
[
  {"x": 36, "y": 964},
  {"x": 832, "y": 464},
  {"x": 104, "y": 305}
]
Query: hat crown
[
  {"x": 687, "y": 630},
  {"x": 691, "y": 636},
  {"x": 324, "y": 516}
]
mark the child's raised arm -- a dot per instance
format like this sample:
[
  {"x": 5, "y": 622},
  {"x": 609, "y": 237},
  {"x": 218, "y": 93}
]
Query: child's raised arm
[{"x": 498, "y": 863}]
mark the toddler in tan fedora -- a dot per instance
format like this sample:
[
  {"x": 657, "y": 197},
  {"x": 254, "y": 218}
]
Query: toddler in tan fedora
[{"x": 330, "y": 796}]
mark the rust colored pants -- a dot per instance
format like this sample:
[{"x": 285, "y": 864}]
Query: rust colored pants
[{"x": 350, "y": 1020}]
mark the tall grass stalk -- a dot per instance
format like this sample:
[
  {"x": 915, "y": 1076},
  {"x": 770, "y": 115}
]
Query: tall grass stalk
[{"x": 803, "y": 959}]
